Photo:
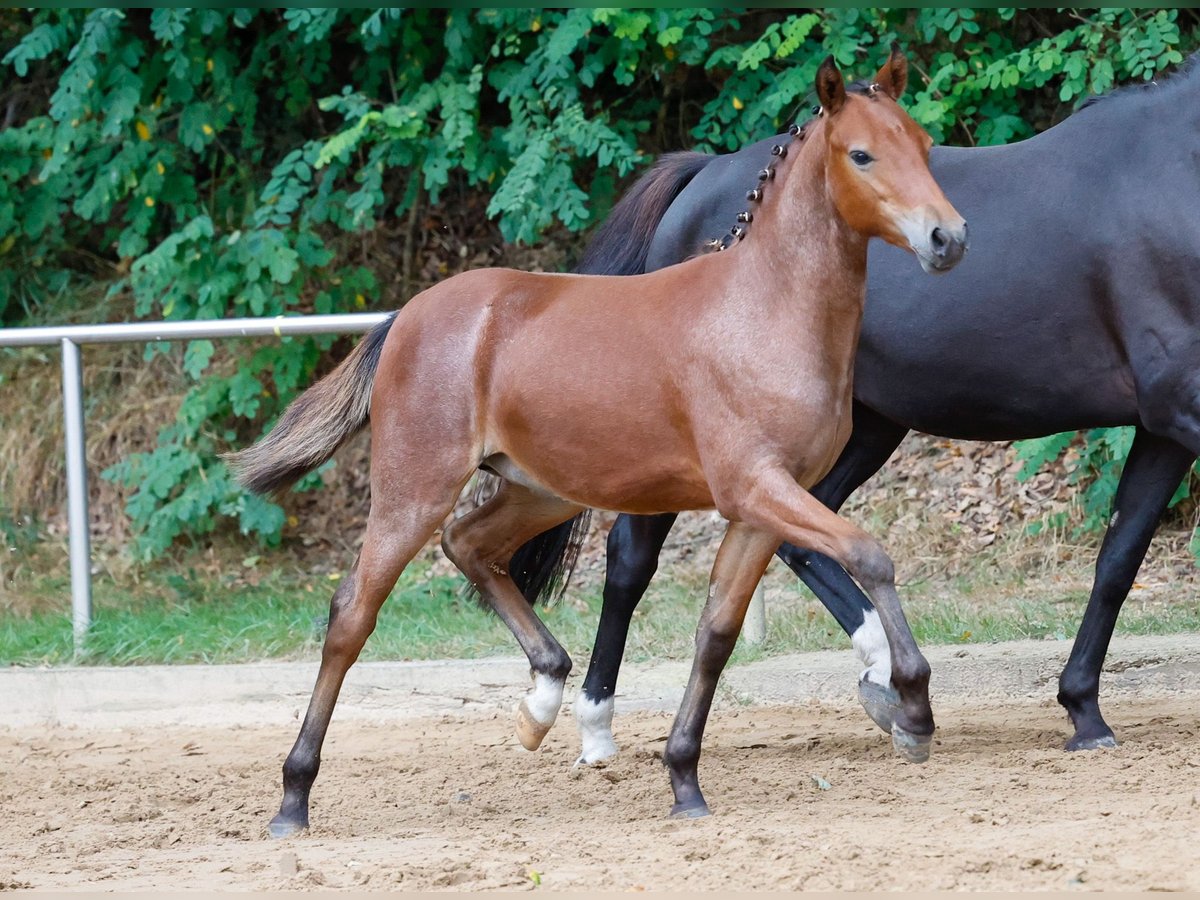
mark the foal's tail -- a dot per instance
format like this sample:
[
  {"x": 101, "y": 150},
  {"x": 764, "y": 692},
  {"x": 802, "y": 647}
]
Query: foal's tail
[
  {"x": 542, "y": 567},
  {"x": 316, "y": 423}
]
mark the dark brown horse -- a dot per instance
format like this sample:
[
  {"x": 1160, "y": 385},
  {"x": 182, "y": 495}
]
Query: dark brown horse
[{"x": 734, "y": 394}]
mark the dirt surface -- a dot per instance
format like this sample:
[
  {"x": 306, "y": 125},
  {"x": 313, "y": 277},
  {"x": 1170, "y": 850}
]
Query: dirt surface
[{"x": 804, "y": 796}]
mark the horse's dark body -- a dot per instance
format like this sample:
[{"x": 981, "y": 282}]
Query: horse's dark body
[{"x": 1079, "y": 307}]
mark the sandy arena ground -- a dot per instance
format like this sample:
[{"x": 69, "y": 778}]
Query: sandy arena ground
[{"x": 805, "y": 795}]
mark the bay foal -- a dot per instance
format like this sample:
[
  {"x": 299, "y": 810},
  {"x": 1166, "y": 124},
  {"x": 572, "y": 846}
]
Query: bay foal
[{"x": 734, "y": 393}]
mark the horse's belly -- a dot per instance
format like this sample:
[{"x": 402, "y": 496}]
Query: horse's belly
[
  {"x": 642, "y": 484},
  {"x": 600, "y": 443},
  {"x": 963, "y": 399}
]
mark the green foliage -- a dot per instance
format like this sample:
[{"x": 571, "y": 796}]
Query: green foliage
[
  {"x": 229, "y": 161},
  {"x": 1098, "y": 457}
]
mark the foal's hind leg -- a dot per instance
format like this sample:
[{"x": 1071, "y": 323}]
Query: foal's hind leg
[
  {"x": 394, "y": 536},
  {"x": 481, "y": 544}
]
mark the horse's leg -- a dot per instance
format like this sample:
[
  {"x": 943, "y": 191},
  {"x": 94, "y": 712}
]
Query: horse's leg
[
  {"x": 741, "y": 560},
  {"x": 777, "y": 503},
  {"x": 394, "y": 536},
  {"x": 480, "y": 544},
  {"x": 1152, "y": 472},
  {"x": 872, "y": 442},
  {"x": 633, "y": 547}
]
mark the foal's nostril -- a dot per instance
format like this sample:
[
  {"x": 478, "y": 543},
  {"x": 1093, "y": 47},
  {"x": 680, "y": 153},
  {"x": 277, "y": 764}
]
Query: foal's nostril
[
  {"x": 939, "y": 241},
  {"x": 946, "y": 247}
]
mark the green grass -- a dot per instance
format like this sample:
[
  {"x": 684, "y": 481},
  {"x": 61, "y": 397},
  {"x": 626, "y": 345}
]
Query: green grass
[
  {"x": 165, "y": 616},
  {"x": 188, "y": 619}
]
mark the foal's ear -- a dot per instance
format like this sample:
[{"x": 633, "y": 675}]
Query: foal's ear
[
  {"x": 893, "y": 77},
  {"x": 831, "y": 90}
]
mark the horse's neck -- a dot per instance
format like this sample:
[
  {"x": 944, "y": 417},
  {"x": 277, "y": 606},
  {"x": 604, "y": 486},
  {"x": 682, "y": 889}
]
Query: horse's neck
[{"x": 800, "y": 254}]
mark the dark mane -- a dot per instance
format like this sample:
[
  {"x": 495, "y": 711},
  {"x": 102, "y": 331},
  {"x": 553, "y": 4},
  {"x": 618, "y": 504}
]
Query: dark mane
[{"x": 1177, "y": 78}]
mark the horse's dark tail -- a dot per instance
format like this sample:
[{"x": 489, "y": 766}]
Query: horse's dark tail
[
  {"x": 543, "y": 566},
  {"x": 620, "y": 245},
  {"x": 316, "y": 423}
]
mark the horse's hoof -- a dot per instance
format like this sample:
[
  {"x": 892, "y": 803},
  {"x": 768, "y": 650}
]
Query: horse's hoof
[
  {"x": 881, "y": 702},
  {"x": 530, "y": 732},
  {"x": 283, "y": 828},
  {"x": 913, "y": 748},
  {"x": 597, "y": 756},
  {"x": 1103, "y": 742},
  {"x": 690, "y": 810},
  {"x": 597, "y": 748},
  {"x": 594, "y": 720}
]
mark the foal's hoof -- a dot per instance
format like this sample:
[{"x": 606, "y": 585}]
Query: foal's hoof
[
  {"x": 913, "y": 748},
  {"x": 283, "y": 828},
  {"x": 690, "y": 810},
  {"x": 1100, "y": 742},
  {"x": 530, "y": 732},
  {"x": 881, "y": 702}
]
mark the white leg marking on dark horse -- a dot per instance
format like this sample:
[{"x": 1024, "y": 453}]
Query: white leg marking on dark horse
[
  {"x": 594, "y": 720},
  {"x": 870, "y": 643}
]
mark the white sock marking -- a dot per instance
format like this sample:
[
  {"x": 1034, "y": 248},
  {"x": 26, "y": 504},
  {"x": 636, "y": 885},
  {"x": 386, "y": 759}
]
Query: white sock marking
[
  {"x": 870, "y": 643},
  {"x": 545, "y": 699},
  {"x": 594, "y": 719}
]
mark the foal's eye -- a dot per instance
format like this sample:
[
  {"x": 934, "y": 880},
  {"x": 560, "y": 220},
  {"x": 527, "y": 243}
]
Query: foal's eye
[{"x": 860, "y": 158}]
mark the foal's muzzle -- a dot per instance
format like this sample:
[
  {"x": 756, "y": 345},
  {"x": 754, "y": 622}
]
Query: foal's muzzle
[
  {"x": 947, "y": 247},
  {"x": 937, "y": 237},
  {"x": 942, "y": 247}
]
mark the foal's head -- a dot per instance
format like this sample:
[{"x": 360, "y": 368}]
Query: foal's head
[{"x": 877, "y": 167}]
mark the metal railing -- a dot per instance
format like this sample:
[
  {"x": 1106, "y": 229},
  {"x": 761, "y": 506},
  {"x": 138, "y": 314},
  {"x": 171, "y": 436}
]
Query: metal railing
[{"x": 71, "y": 337}]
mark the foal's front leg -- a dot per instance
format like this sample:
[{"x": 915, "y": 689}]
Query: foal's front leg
[
  {"x": 740, "y": 563},
  {"x": 481, "y": 543},
  {"x": 872, "y": 441},
  {"x": 777, "y": 503}
]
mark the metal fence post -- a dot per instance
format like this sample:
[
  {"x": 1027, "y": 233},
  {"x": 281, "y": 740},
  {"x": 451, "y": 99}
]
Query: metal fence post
[
  {"x": 69, "y": 338},
  {"x": 77, "y": 493},
  {"x": 755, "y": 627}
]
